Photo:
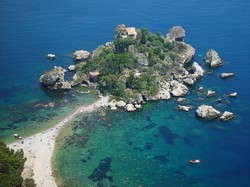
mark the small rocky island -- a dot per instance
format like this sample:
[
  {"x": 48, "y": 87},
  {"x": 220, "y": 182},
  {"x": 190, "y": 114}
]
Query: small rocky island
[{"x": 136, "y": 67}]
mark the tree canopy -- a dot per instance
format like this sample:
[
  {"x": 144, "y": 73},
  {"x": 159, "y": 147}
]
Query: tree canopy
[{"x": 11, "y": 166}]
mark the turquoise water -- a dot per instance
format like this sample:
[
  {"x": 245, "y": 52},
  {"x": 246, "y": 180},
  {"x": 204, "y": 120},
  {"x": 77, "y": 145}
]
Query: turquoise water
[{"x": 148, "y": 148}]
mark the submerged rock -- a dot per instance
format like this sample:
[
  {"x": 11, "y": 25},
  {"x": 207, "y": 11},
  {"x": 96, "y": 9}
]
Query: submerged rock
[
  {"x": 226, "y": 116},
  {"x": 212, "y": 59},
  {"x": 207, "y": 112}
]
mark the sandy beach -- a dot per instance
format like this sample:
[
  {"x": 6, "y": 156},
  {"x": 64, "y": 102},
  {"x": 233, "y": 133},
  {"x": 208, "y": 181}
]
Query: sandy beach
[{"x": 38, "y": 148}]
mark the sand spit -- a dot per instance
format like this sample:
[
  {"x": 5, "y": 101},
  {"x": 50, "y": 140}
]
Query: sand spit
[{"x": 39, "y": 148}]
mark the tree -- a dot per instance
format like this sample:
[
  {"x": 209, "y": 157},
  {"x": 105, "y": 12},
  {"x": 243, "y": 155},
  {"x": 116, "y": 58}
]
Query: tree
[{"x": 11, "y": 166}]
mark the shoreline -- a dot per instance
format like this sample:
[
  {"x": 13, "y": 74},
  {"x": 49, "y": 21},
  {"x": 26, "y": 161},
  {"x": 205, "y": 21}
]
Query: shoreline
[{"x": 39, "y": 148}]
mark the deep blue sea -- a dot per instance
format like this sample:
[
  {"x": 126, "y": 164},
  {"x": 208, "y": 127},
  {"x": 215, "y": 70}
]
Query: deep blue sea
[{"x": 150, "y": 147}]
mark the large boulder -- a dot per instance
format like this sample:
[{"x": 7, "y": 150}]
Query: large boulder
[
  {"x": 72, "y": 68},
  {"x": 121, "y": 104},
  {"x": 226, "y": 116},
  {"x": 178, "y": 89},
  {"x": 207, "y": 112},
  {"x": 81, "y": 55},
  {"x": 212, "y": 59},
  {"x": 54, "y": 79},
  {"x": 130, "y": 107},
  {"x": 234, "y": 94},
  {"x": 176, "y": 33},
  {"x": 197, "y": 69},
  {"x": 112, "y": 105},
  {"x": 190, "y": 79}
]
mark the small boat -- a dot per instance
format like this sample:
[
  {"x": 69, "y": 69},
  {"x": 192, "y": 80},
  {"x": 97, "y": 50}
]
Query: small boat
[
  {"x": 17, "y": 136},
  {"x": 194, "y": 161},
  {"x": 51, "y": 56}
]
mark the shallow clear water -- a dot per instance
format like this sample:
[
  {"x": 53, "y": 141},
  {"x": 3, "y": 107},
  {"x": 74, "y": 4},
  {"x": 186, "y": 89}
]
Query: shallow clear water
[{"x": 135, "y": 146}]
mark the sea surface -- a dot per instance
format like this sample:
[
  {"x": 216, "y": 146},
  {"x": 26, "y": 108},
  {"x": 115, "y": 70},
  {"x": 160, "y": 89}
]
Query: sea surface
[{"x": 150, "y": 147}]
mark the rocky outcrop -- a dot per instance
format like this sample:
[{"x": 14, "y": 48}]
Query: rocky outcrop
[
  {"x": 184, "y": 108},
  {"x": 178, "y": 89},
  {"x": 130, "y": 107},
  {"x": 234, "y": 94},
  {"x": 227, "y": 75},
  {"x": 54, "y": 79},
  {"x": 176, "y": 33},
  {"x": 226, "y": 116},
  {"x": 142, "y": 60},
  {"x": 197, "y": 69},
  {"x": 207, "y": 112},
  {"x": 210, "y": 93},
  {"x": 81, "y": 55},
  {"x": 212, "y": 59},
  {"x": 184, "y": 52}
]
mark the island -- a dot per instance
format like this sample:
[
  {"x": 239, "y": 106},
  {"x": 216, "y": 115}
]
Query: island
[{"x": 136, "y": 67}]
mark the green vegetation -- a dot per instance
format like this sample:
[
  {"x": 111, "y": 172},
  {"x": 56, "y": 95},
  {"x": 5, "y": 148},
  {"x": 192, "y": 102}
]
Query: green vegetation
[
  {"x": 11, "y": 166},
  {"x": 152, "y": 56}
]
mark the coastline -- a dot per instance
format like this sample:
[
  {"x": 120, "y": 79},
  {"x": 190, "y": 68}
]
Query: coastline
[{"x": 39, "y": 148}]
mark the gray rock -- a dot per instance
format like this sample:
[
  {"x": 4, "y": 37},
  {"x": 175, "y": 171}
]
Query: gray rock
[
  {"x": 234, "y": 94},
  {"x": 81, "y": 55},
  {"x": 138, "y": 106},
  {"x": 184, "y": 108},
  {"x": 212, "y": 59},
  {"x": 54, "y": 79},
  {"x": 207, "y": 112},
  {"x": 112, "y": 105},
  {"x": 190, "y": 79},
  {"x": 226, "y": 116},
  {"x": 130, "y": 107},
  {"x": 227, "y": 75},
  {"x": 97, "y": 51},
  {"x": 197, "y": 69},
  {"x": 184, "y": 52},
  {"x": 176, "y": 33},
  {"x": 142, "y": 60},
  {"x": 201, "y": 89},
  {"x": 121, "y": 104},
  {"x": 181, "y": 100},
  {"x": 178, "y": 89},
  {"x": 210, "y": 93},
  {"x": 72, "y": 68}
]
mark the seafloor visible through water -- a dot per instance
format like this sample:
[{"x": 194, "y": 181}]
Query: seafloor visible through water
[{"x": 150, "y": 147}]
